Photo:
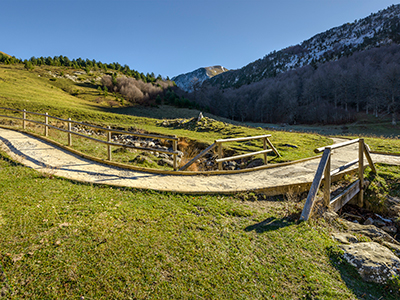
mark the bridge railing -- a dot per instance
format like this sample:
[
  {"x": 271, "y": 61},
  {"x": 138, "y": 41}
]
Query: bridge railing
[
  {"x": 324, "y": 173},
  {"x": 219, "y": 145},
  {"x": 108, "y": 132}
]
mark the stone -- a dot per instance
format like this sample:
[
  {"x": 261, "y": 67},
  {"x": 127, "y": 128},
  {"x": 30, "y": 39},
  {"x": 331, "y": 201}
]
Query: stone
[
  {"x": 379, "y": 223},
  {"x": 344, "y": 238},
  {"x": 256, "y": 163},
  {"x": 330, "y": 216},
  {"x": 395, "y": 248},
  {"x": 374, "y": 233},
  {"x": 166, "y": 162},
  {"x": 200, "y": 116},
  {"x": 374, "y": 262},
  {"x": 389, "y": 229},
  {"x": 369, "y": 221}
]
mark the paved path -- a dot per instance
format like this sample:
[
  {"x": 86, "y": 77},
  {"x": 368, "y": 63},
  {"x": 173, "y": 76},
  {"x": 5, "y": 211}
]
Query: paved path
[{"x": 45, "y": 157}]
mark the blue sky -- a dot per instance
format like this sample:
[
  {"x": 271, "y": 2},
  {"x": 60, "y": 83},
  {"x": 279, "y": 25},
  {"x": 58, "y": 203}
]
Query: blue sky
[{"x": 170, "y": 37}]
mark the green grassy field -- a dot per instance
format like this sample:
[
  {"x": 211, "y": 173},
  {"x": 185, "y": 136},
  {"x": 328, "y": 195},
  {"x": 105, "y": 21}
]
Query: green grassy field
[{"x": 67, "y": 240}]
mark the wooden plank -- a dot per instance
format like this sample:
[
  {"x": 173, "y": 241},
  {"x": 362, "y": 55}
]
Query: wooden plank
[
  {"x": 335, "y": 146},
  {"x": 368, "y": 156},
  {"x": 273, "y": 148},
  {"x": 361, "y": 171},
  {"x": 265, "y": 148},
  {"x": 220, "y": 160},
  {"x": 241, "y": 139},
  {"x": 344, "y": 167},
  {"x": 327, "y": 183},
  {"x": 175, "y": 148},
  {"x": 340, "y": 200},
  {"x": 198, "y": 156},
  {"x": 219, "y": 155},
  {"x": 305, "y": 215}
]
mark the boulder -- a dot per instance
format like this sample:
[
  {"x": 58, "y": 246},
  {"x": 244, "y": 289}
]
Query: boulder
[
  {"x": 374, "y": 233},
  {"x": 344, "y": 238},
  {"x": 374, "y": 262},
  {"x": 256, "y": 163},
  {"x": 166, "y": 162}
]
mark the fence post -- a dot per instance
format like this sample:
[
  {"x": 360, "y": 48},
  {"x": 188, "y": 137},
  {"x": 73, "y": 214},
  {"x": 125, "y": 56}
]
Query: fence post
[
  {"x": 265, "y": 154},
  {"x": 24, "y": 119},
  {"x": 109, "y": 146},
  {"x": 69, "y": 133},
  {"x": 220, "y": 155},
  {"x": 327, "y": 182},
  {"x": 46, "y": 129},
  {"x": 175, "y": 148},
  {"x": 361, "y": 171}
]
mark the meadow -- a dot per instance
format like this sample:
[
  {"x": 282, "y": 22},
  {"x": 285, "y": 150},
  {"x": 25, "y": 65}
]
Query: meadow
[{"x": 68, "y": 240}]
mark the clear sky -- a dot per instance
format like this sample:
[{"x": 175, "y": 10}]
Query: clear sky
[{"x": 169, "y": 37}]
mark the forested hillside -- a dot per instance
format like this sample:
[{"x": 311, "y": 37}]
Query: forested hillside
[
  {"x": 327, "y": 79},
  {"x": 333, "y": 92}
]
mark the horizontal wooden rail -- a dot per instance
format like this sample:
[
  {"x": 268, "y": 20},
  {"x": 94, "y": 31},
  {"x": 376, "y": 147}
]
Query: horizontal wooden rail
[
  {"x": 242, "y": 139},
  {"x": 218, "y": 160},
  {"x": 108, "y": 131},
  {"x": 144, "y": 135},
  {"x": 340, "y": 200},
  {"x": 338, "y": 145},
  {"x": 344, "y": 167}
]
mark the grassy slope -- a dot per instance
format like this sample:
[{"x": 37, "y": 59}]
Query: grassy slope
[
  {"x": 63, "y": 240},
  {"x": 26, "y": 90}
]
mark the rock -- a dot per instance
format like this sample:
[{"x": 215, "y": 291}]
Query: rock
[
  {"x": 330, "y": 216},
  {"x": 344, "y": 238},
  {"x": 389, "y": 229},
  {"x": 141, "y": 159},
  {"x": 291, "y": 146},
  {"x": 166, "y": 162},
  {"x": 200, "y": 116},
  {"x": 369, "y": 221},
  {"x": 374, "y": 233},
  {"x": 358, "y": 218},
  {"x": 256, "y": 163},
  {"x": 395, "y": 248},
  {"x": 379, "y": 223},
  {"x": 374, "y": 262}
]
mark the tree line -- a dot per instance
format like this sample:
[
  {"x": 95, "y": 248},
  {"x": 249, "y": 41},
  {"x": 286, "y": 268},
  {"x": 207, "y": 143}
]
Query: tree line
[
  {"x": 80, "y": 63},
  {"x": 328, "y": 93}
]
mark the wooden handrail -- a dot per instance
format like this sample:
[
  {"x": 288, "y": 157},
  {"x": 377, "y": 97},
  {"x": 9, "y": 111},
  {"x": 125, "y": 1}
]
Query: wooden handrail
[
  {"x": 338, "y": 145},
  {"x": 242, "y": 139},
  {"x": 242, "y": 156},
  {"x": 323, "y": 169},
  {"x": 46, "y": 125},
  {"x": 265, "y": 137}
]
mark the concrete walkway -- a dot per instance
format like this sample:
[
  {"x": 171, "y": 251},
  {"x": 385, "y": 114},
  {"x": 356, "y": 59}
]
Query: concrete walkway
[{"x": 45, "y": 157}]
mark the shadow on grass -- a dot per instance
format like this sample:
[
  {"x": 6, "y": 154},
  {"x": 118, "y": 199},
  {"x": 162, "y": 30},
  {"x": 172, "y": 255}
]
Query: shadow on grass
[
  {"x": 360, "y": 288},
  {"x": 270, "y": 224}
]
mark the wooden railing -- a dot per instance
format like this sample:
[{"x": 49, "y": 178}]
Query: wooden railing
[
  {"x": 108, "y": 132},
  {"x": 218, "y": 144},
  {"x": 324, "y": 172}
]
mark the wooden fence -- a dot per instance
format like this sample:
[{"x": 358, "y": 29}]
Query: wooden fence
[
  {"x": 324, "y": 172},
  {"x": 108, "y": 132},
  {"x": 218, "y": 144}
]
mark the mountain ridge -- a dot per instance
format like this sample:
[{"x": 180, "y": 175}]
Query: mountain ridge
[
  {"x": 375, "y": 30},
  {"x": 187, "y": 81}
]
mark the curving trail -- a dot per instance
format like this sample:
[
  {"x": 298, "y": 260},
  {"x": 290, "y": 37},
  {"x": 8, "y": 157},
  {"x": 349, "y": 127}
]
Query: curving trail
[{"x": 45, "y": 157}]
